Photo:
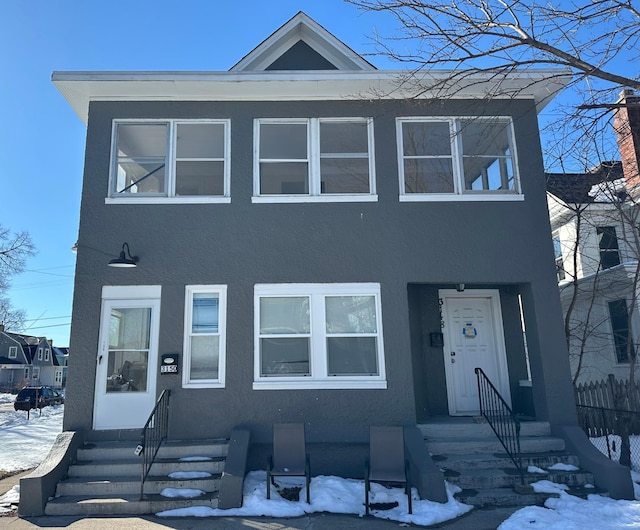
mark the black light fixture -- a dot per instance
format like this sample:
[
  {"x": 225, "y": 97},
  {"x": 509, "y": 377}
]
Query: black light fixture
[{"x": 124, "y": 260}]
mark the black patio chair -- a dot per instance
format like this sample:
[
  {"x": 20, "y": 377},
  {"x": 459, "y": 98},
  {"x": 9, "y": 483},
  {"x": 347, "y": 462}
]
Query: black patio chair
[
  {"x": 386, "y": 462},
  {"x": 289, "y": 458}
]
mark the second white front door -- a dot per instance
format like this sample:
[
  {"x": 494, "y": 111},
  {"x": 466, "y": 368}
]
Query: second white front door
[{"x": 473, "y": 337}]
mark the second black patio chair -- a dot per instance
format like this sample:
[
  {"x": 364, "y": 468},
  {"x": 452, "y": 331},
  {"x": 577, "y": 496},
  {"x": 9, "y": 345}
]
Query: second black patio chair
[
  {"x": 289, "y": 458},
  {"x": 386, "y": 462}
]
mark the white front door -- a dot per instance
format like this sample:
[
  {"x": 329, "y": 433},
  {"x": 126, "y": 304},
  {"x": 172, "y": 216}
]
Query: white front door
[
  {"x": 473, "y": 337},
  {"x": 125, "y": 391}
]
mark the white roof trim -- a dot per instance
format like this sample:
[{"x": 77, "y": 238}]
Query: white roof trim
[
  {"x": 80, "y": 88},
  {"x": 302, "y": 27}
]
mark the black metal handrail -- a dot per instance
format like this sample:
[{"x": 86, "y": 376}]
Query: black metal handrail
[
  {"x": 501, "y": 419},
  {"x": 153, "y": 433}
]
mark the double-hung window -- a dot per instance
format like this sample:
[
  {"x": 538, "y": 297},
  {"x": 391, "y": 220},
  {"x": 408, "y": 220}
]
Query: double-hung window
[
  {"x": 457, "y": 159},
  {"x": 170, "y": 160},
  {"x": 318, "y": 336},
  {"x": 13, "y": 352},
  {"x": 39, "y": 354},
  {"x": 619, "y": 317},
  {"x": 205, "y": 336},
  {"x": 557, "y": 250},
  {"x": 315, "y": 159},
  {"x": 608, "y": 246}
]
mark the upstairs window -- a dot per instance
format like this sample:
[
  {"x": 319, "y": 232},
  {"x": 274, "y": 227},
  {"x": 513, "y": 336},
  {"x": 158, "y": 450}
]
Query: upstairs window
[
  {"x": 185, "y": 161},
  {"x": 442, "y": 158},
  {"x": 46, "y": 354},
  {"x": 608, "y": 245},
  {"x": 39, "y": 354},
  {"x": 318, "y": 336},
  {"x": 619, "y": 317},
  {"x": 13, "y": 352},
  {"x": 557, "y": 249},
  {"x": 326, "y": 159}
]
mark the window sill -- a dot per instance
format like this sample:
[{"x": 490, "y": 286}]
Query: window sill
[
  {"x": 207, "y": 384},
  {"x": 310, "y": 384},
  {"x": 168, "y": 200},
  {"x": 313, "y": 198},
  {"x": 463, "y": 197}
]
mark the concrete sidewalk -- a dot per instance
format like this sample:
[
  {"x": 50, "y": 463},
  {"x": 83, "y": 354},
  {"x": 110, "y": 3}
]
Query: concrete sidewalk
[{"x": 475, "y": 520}]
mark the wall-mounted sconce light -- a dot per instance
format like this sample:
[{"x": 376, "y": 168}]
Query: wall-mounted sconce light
[
  {"x": 124, "y": 260},
  {"x": 74, "y": 248},
  {"x": 460, "y": 287}
]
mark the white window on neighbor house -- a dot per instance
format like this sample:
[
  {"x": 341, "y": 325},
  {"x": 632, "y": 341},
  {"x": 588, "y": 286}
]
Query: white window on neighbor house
[
  {"x": 58, "y": 377},
  {"x": 47, "y": 352},
  {"x": 36, "y": 373},
  {"x": 557, "y": 250},
  {"x": 205, "y": 336},
  {"x": 170, "y": 160},
  {"x": 39, "y": 354},
  {"x": 26, "y": 373},
  {"x": 315, "y": 159},
  {"x": 608, "y": 246},
  {"x": 318, "y": 336},
  {"x": 470, "y": 158},
  {"x": 13, "y": 352}
]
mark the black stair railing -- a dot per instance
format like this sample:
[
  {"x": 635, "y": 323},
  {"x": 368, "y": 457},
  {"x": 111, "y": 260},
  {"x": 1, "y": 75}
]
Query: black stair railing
[
  {"x": 152, "y": 436},
  {"x": 501, "y": 419}
]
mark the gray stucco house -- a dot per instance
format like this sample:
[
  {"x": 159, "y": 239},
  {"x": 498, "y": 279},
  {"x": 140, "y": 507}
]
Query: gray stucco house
[{"x": 312, "y": 244}]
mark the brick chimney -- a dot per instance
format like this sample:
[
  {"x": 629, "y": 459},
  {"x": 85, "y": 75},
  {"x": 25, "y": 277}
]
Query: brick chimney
[
  {"x": 1, "y": 327},
  {"x": 626, "y": 123}
]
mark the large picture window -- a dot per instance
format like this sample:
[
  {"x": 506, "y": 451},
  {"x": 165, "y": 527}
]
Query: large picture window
[
  {"x": 184, "y": 161},
  {"x": 205, "y": 342},
  {"x": 458, "y": 158},
  {"x": 318, "y": 336},
  {"x": 314, "y": 159}
]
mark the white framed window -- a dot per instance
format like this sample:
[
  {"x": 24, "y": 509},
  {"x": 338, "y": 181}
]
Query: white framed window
[
  {"x": 314, "y": 160},
  {"x": 26, "y": 373},
  {"x": 13, "y": 352},
  {"x": 39, "y": 354},
  {"x": 205, "y": 336},
  {"x": 170, "y": 161},
  {"x": 557, "y": 250},
  {"x": 318, "y": 336},
  {"x": 58, "y": 377},
  {"x": 47, "y": 352},
  {"x": 36, "y": 373},
  {"x": 465, "y": 158}
]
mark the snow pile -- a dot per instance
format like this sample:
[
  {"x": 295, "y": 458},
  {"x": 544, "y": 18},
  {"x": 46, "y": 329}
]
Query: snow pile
[
  {"x": 26, "y": 443},
  {"x": 186, "y": 475},
  {"x": 536, "y": 469},
  {"x": 334, "y": 495},
  {"x": 546, "y": 486},
  {"x": 563, "y": 467},
  {"x": 195, "y": 459},
  {"x": 181, "y": 493},
  {"x": 12, "y": 497},
  {"x": 568, "y": 512}
]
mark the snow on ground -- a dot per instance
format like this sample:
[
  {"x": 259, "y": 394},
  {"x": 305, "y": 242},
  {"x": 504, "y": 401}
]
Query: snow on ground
[
  {"x": 9, "y": 500},
  {"x": 331, "y": 494},
  {"x": 614, "y": 444},
  {"x": 26, "y": 443}
]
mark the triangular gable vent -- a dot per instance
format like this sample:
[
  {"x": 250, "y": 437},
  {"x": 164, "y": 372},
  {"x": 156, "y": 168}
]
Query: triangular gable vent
[{"x": 302, "y": 44}]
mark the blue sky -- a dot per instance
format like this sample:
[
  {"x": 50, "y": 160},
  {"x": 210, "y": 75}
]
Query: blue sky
[{"x": 42, "y": 140}]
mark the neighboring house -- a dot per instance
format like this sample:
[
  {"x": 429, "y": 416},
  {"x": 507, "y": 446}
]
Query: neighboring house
[
  {"x": 62, "y": 356},
  {"x": 26, "y": 360},
  {"x": 312, "y": 245},
  {"x": 594, "y": 220}
]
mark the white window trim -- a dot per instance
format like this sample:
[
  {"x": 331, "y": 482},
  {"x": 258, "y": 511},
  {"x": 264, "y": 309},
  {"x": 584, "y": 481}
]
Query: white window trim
[
  {"x": 221, "y": 291},
  {"x": 313, "y": 160},
  {"x": 35, "y": 374},
  {"x": 39, "y": 354},
  {"x": 318, "y": 361},
  {"x": 13, "y": 352},
  {"x": 46, "y": 354},
  {"x": 58, "y": 376},
  {"x": 169, "y": 195},
  {"x": 459, "y": 193},
  {"x": 26, "y": 373}
]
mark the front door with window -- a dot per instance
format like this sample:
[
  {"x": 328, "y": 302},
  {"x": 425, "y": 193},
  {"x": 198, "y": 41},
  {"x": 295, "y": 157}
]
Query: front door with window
[
  {"x": 126, "y": 371},
  {"x": 473, "y": 337}
]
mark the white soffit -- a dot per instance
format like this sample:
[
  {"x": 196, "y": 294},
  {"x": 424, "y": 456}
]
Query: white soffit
[
  {"x": 80, "y": 88},
  {"x": 302, "y": 27}
]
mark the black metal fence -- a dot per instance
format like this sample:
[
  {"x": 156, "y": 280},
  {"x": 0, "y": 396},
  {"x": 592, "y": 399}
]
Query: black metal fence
[
  {"x": 153, "y": 433},
  {"x": 616, "y": 433},
  {"x": 501, "y": 419}
]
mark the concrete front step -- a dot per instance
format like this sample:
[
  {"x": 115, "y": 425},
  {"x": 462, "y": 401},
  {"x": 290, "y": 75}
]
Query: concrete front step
[
  {"x": 118, "y": 468},
  {"x": 468, "y": 428},
  {"x": 172, "y": 449},
  {"x": 123, "y": 504},
  {"x": 509, "y": 477},
  {"x": 129, "y": 485},
  {"x": 494, "y": 497},
  {"x": 501, "y": 460},
  {"x": 465, "y": 445}
]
